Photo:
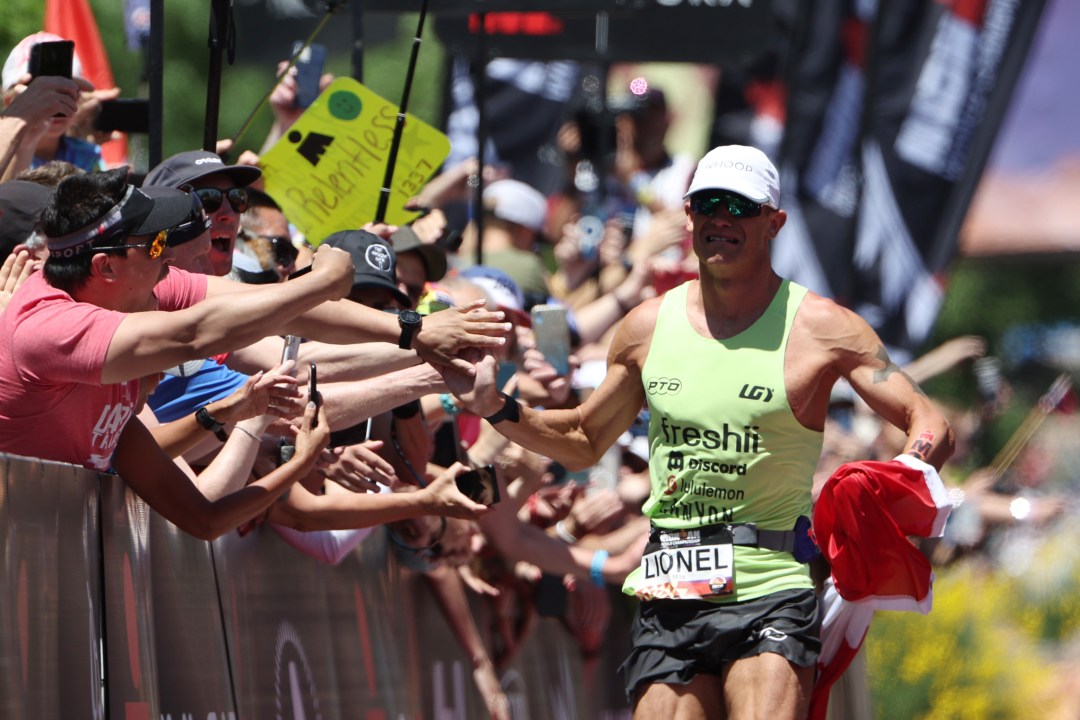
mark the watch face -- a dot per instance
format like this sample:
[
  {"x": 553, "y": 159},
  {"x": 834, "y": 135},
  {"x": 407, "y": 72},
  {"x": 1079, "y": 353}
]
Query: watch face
[{"x": 409, "y": 317}]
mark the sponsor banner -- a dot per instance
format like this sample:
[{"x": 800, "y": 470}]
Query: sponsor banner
[
  {"x": 189, "y": 646},
  {"x": 377, "y": 634},
  {"x": 718, "y": 32},
  {"x": 280, "y": 637},
  {"x": 943, "y": 74},
  {"x": 50, "y": 630},
  {"x": 290, "y": 638},
  {"x": 525, "y": 104},
  {"x": 130, "y": 669},
  {"x": 893, "y": 108},
  {"x": 818, "y": 163}
]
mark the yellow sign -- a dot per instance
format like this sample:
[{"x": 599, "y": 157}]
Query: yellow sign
[{"x": 327, "y": 171}]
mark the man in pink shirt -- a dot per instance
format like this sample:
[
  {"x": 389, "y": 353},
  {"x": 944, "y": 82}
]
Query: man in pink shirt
[
  {"x": 105, "y": 311},
  {"x": 108, "y": 310}
]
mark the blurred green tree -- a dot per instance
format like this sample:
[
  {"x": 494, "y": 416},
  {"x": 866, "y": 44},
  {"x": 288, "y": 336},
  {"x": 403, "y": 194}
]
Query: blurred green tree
[{"x": 244, "y": 83}]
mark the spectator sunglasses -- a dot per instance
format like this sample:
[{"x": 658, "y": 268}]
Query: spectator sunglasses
[
  {"x": 212, "y": 197},
  {"x": 737, "y": 206},
  {"x": 156, "y": 246},
  {"x": 285, "y": 253}
]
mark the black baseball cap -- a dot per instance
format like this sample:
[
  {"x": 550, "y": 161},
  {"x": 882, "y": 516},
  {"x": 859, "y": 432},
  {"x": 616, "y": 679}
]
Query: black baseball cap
[
  {"x": 434, "y": 256},
  {"x": 136, "y": 214},
  {"x": 187, "y": 167},
  {"x": 374, "y": 261},
  {"x": 21, "y": 204}
]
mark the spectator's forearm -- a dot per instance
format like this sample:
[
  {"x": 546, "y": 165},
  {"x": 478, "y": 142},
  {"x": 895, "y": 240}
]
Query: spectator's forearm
[
  {"x": 348, "y": 404},
  {"x": 15, "y": 153}
]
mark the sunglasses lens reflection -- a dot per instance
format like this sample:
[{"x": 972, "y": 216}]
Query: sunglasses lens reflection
[{"x": 212, "y": 198}]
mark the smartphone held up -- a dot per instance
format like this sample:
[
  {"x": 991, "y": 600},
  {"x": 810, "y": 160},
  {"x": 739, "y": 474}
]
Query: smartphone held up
[
  {"x": 52, "y": 59},
  {"x": 313, "y": 393},
  {"x": 310, "y": 60},
  {"x": 479, "y": 485},
  {"x": 552, "y": 336}
]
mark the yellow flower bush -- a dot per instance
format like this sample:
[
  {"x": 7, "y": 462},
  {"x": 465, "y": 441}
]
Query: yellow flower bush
[{"x": 990, "y": 648}]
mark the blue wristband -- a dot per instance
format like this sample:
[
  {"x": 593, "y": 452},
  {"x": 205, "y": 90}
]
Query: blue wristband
[
  {"x": 448, "y": 405},
  {"x": 596, "y": 569}
]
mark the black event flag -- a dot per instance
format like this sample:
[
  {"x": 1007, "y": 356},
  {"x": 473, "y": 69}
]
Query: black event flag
[{"x": 892, "y": 114}]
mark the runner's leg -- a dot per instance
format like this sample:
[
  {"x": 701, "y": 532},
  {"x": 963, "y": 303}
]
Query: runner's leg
[
  {"x": 700, "y": 699},
  {"x": 767, "y": 687}
]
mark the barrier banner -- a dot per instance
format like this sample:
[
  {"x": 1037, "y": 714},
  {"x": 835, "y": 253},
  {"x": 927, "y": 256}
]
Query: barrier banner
[
  {"x": 129, "y": 623},
  {"x": 377, "y": 639},
  {"x": 245, "y": 627},
  {"x": 50, "y": 633},
  {"x": 277, "y": 627},
  {"x": 193, "y": 673}
]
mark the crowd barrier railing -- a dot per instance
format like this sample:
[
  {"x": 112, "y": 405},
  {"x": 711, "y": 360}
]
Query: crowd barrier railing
[{"x": 109, "y": 611}]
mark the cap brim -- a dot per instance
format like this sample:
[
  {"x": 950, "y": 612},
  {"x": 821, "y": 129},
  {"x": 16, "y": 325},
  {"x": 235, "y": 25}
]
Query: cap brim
[
  {"x": 434, "y": 257},
  {"x": 729, "y": 187},
  {"x": 171, "y": 208},
  {"x": 241, "y": 175}
]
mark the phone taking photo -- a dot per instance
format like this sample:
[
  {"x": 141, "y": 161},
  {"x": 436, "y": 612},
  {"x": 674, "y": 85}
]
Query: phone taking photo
[
  {"x": 52, "y": 59},
  {"x": 129, "y": 115},
  {"x": 309, "y": 70},
  {"x": 479, "y": 485},
  {"x": 313, "y": 393},
  {"x": 552, "y": 336}
]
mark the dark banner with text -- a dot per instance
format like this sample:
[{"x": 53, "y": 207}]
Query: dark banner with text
[{"x": 892, "y": 112}]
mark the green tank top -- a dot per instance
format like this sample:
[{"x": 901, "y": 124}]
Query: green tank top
[{"x": 724, "y": 444}]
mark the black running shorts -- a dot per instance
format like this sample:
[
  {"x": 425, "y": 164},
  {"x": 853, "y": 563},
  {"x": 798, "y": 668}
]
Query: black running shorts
[{"x": 674, "y": 640}]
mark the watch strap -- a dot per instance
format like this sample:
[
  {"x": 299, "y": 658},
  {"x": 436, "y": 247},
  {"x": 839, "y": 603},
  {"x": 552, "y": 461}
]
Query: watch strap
[
  {"x": 204, "y": 418},
  {"x": 509, "y": 411},
  {"x": 408, "y": 330}
]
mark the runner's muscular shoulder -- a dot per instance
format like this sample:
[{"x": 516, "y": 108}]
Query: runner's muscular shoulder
[
  {"x": 620, "y": 395},
  {"x": 631, "y": 342},
  {"x": 826, "y": 342}
]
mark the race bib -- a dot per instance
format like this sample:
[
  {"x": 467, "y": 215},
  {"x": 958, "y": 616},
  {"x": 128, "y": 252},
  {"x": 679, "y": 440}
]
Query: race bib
[{"x": 680, "y": 564}]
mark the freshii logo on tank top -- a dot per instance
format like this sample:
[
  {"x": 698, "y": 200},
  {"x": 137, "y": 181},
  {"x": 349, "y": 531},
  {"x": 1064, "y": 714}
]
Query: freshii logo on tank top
[{"x": 727, "y": 437}]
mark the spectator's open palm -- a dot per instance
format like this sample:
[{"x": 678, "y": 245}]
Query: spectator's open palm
[{"x": 18, "y": 266}]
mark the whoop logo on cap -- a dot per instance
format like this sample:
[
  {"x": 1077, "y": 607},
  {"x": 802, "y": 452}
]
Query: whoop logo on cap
[
  {"x": 739, "y": 169},
  {"x": 378, "y": 258}
]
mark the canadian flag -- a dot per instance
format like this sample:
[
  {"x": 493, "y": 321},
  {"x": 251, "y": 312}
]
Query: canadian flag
[
  {"x": 862, "y": 521},
  {"x": 74, "y": 20}
]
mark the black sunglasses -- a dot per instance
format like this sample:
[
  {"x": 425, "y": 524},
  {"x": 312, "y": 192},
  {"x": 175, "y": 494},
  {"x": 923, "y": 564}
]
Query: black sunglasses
[
  {"x": 285, "y": 253},
  {"x": 212, "y": 197},
  {"x": 736, "y": 206},
  {"x": 155, "y": 246}
]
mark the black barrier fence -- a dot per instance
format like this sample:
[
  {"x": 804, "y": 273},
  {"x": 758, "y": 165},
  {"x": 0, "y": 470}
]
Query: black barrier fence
[{"x": 109, "y": 611}]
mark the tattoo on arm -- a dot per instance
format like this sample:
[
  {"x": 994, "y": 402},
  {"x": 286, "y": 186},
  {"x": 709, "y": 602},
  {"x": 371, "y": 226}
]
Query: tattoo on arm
[
  {"x": 891, "y": 369},
  {"x": 923, "y": 445}
]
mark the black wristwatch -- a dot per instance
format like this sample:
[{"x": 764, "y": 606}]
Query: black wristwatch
[
  {"x": 204, "y": 418},
  {"x": 409, "y": 320},
  {"x": 509, "y": 411}
]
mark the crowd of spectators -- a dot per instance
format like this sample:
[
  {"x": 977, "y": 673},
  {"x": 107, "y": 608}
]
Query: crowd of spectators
[{"x": 149, "y": 324}]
